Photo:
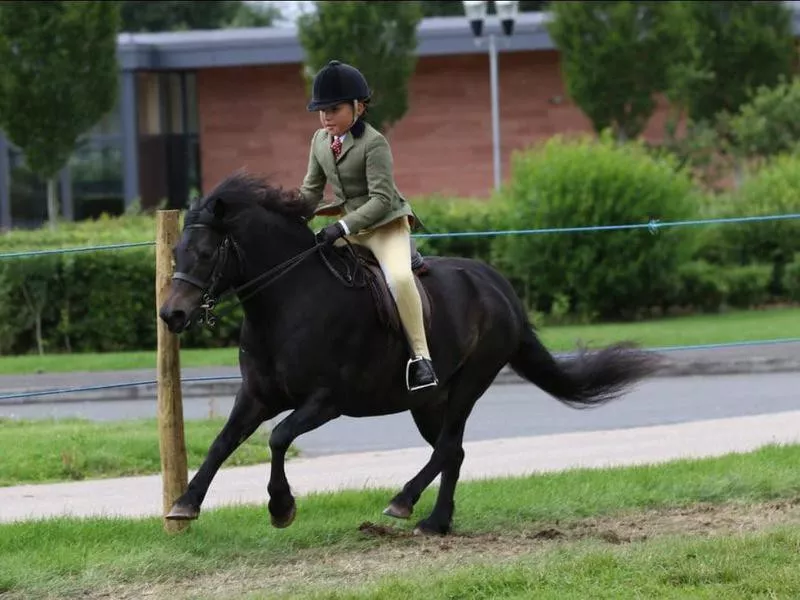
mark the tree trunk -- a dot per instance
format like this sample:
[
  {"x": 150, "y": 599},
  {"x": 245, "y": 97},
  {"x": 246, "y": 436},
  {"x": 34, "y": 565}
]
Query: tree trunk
[
  {"x": 39, "y": 339},
  {"x": 52, "y": 201},
  {"x": 36, "y": 309}
]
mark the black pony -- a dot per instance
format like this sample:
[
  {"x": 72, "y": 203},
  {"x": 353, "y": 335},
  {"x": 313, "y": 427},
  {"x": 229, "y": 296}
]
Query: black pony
[{"x": 313, "y": 343}]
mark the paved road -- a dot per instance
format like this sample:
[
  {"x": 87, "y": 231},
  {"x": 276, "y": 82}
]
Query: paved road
[{"x": 506, "y": 411}]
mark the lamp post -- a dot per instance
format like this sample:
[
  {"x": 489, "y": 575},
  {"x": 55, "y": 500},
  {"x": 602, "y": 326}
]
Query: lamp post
[{"x": 475, "y": 11}]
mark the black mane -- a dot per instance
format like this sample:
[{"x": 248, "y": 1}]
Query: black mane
[{"x": 243, "y": 191}]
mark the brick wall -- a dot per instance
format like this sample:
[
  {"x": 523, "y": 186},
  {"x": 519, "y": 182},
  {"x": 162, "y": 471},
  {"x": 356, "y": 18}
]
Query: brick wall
[{"x": 255, "y": 117}]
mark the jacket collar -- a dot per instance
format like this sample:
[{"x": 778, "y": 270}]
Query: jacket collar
[{"x": 347, "y": 143}]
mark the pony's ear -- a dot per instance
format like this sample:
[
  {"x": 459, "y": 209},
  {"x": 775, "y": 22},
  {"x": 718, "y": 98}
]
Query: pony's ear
[{"x": 219, "y": 209}]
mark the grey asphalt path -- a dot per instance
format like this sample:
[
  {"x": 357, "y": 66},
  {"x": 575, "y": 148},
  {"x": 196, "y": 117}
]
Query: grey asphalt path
[
  {"x": 140, "y": 496},
  {"x": 505, "y": 411}
]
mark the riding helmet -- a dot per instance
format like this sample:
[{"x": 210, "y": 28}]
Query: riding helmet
[{"x": 337, "y": 82}]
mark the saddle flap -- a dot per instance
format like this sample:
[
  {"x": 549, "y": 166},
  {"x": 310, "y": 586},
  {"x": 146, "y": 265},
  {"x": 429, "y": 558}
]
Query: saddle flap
[{"x": 379, "y": 287}]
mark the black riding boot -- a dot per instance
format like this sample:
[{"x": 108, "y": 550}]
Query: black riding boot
[{"x": 420, "y": 374}]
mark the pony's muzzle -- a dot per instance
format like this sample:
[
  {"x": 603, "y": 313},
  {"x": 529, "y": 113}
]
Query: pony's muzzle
[
  {"x": 176, "y": 319},
  {"x": 182, "y": 306}
]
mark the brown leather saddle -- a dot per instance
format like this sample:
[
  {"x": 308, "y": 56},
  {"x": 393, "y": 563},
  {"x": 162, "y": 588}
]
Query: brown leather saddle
[{"x": 355, "y": 258}]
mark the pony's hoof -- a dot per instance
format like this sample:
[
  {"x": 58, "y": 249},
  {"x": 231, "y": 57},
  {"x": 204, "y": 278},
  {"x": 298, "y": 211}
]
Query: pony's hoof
[
  {"x": 429, "y": 529},
  {"x": 181, "y": 512},
  {"x": 284, "y": 522},
  {"x": 398, "y": 511}
]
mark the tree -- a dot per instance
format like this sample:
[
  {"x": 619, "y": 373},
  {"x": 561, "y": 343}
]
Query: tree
[
  {"x": 255, "y": 15},
  {"x": 452, "y": 8},
  {"x": 739, "y": 46},
  {"x": 174, "y": 15},
  {"x": 767, "y": 125},
  {"x": 378, "y": 38},
  {"x": 616, "y": 57},
  {"x": 58, "y": 78}
]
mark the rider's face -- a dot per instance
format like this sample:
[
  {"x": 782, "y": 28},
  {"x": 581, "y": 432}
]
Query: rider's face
[{"x": 338, "y": 119}]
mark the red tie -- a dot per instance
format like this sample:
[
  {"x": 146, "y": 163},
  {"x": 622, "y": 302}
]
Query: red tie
[{"x": 336, "y": 146}]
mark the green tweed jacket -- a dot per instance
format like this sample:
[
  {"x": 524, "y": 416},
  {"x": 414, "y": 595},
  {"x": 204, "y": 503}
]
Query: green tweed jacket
[{"x": 362, "y": 179}]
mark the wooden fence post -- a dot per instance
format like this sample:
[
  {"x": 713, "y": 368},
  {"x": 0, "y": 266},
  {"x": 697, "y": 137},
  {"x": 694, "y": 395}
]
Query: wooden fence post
[{"x": 174, "y": 470}]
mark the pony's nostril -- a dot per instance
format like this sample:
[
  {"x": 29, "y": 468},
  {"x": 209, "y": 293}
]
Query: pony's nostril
[{"x": 174, "y": 319}]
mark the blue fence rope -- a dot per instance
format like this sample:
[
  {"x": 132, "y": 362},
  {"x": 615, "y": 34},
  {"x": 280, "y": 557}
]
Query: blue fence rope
[
  {"x": 214, "y": 378},
  {"x": 26, "y": 253},
  {"x": 653, "y": 226}
]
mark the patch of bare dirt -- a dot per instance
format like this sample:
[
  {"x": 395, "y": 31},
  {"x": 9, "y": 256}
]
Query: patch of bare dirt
[{"x": 399, "y": 549}]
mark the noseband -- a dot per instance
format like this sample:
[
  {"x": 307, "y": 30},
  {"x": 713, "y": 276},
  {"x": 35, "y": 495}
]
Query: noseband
[{"x": 208, "y": 289}]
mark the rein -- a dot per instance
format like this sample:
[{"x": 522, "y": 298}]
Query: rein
[{"x": 209, "y": 301}]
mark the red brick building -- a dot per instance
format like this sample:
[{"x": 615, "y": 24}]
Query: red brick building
[
  {"x": 250, "y": 104},
  {"x": 443, "y": 143}
]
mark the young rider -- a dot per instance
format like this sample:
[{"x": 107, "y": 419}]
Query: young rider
[{"x": 356, "y": 159}]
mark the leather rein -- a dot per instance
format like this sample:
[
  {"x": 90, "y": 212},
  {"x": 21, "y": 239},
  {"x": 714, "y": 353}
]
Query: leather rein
[{"x": 228, "y": 245}]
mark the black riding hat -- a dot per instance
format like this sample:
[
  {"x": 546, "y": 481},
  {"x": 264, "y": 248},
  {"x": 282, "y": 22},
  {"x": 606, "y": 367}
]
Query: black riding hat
[{"x": 337, "y": 82}]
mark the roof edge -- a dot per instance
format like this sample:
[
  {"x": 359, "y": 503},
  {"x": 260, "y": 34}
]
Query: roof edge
[{"x": 437, "y": 36}]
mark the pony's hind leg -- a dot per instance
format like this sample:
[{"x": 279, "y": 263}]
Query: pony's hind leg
[
  {"x": 472, "y": 382},
  {"x": 429, "y": 423},
  {"x": 313, "y": 413},
  {"x": 246, "y": 416}
]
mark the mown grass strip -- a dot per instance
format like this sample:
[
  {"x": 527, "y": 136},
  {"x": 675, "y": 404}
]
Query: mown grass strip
[
  {"x": 75, "y": 449},
  {"x": 737, "y": 326},
  {"x": 72, "y": 556}
]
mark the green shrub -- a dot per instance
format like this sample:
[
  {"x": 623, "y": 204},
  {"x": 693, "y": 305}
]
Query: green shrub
[
  {"x": 30, "y": 290},
  {"x": 105, "y": 230},
  {"x": 773, "y": 190},
  {"x": 588, "y": 182},
  {"x": 791, "y": 279},
  {"x": 104, "y": 300},
  {"x": 748, "y": 286},
  {"x": 87, "y": 301},
  {"x": 701, "y": 286},
  {"x": 452, "y": 215}
]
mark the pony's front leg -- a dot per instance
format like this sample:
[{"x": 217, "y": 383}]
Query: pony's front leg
[
  {"x": 313, "y": 413},
  {"x": 246, "y": 416}
]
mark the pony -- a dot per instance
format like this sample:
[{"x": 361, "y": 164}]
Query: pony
[{"x": 314, "y": 341}]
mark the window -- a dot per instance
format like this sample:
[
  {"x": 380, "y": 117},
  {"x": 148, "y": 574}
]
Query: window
[
  {"x": 169, "y": 152},
  {"x": 96, "y": 180}
]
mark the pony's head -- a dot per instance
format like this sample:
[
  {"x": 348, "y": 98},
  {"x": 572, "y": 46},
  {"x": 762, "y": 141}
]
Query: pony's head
[{"x": 209, "y": 257}]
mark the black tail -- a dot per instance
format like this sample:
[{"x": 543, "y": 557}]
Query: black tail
[{"x": 590, "y": 378}]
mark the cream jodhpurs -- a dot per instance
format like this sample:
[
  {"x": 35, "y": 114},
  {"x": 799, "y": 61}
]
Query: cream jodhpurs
[{"x": 391, "y": 245}]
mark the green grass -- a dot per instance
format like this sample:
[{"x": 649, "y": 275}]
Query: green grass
[
  {"x": 693, "y": 330},
  {"x": 66, "y": 557},
  {"x": 750, "y": 566},
  {"x": 73, "y": 449}
]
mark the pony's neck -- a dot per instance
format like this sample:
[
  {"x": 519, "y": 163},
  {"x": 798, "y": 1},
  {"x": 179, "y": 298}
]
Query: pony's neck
[{"x": 260, "y": 256}]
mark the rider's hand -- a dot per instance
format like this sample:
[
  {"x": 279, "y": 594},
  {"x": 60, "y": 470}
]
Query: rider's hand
[{"x": 330, "y": 234}]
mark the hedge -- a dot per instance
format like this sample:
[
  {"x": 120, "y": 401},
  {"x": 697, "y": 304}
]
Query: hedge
[
  {"x": 104, "y": 301},
  {"x": 773, "y": 190},
  {"x": 596, "y": 181}
]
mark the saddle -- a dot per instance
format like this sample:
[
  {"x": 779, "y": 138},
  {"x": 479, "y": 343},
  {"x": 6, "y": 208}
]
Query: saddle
[{"x": 357, "y": 258}]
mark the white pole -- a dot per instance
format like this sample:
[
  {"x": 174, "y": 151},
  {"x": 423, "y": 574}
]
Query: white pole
[{"x": 495, "y": 109}]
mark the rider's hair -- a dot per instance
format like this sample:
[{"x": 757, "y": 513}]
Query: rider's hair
[{"x": 358, "y": 127}]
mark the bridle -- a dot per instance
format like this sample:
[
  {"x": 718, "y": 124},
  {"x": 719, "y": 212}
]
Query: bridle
[{"x": 208, "y": 289}]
